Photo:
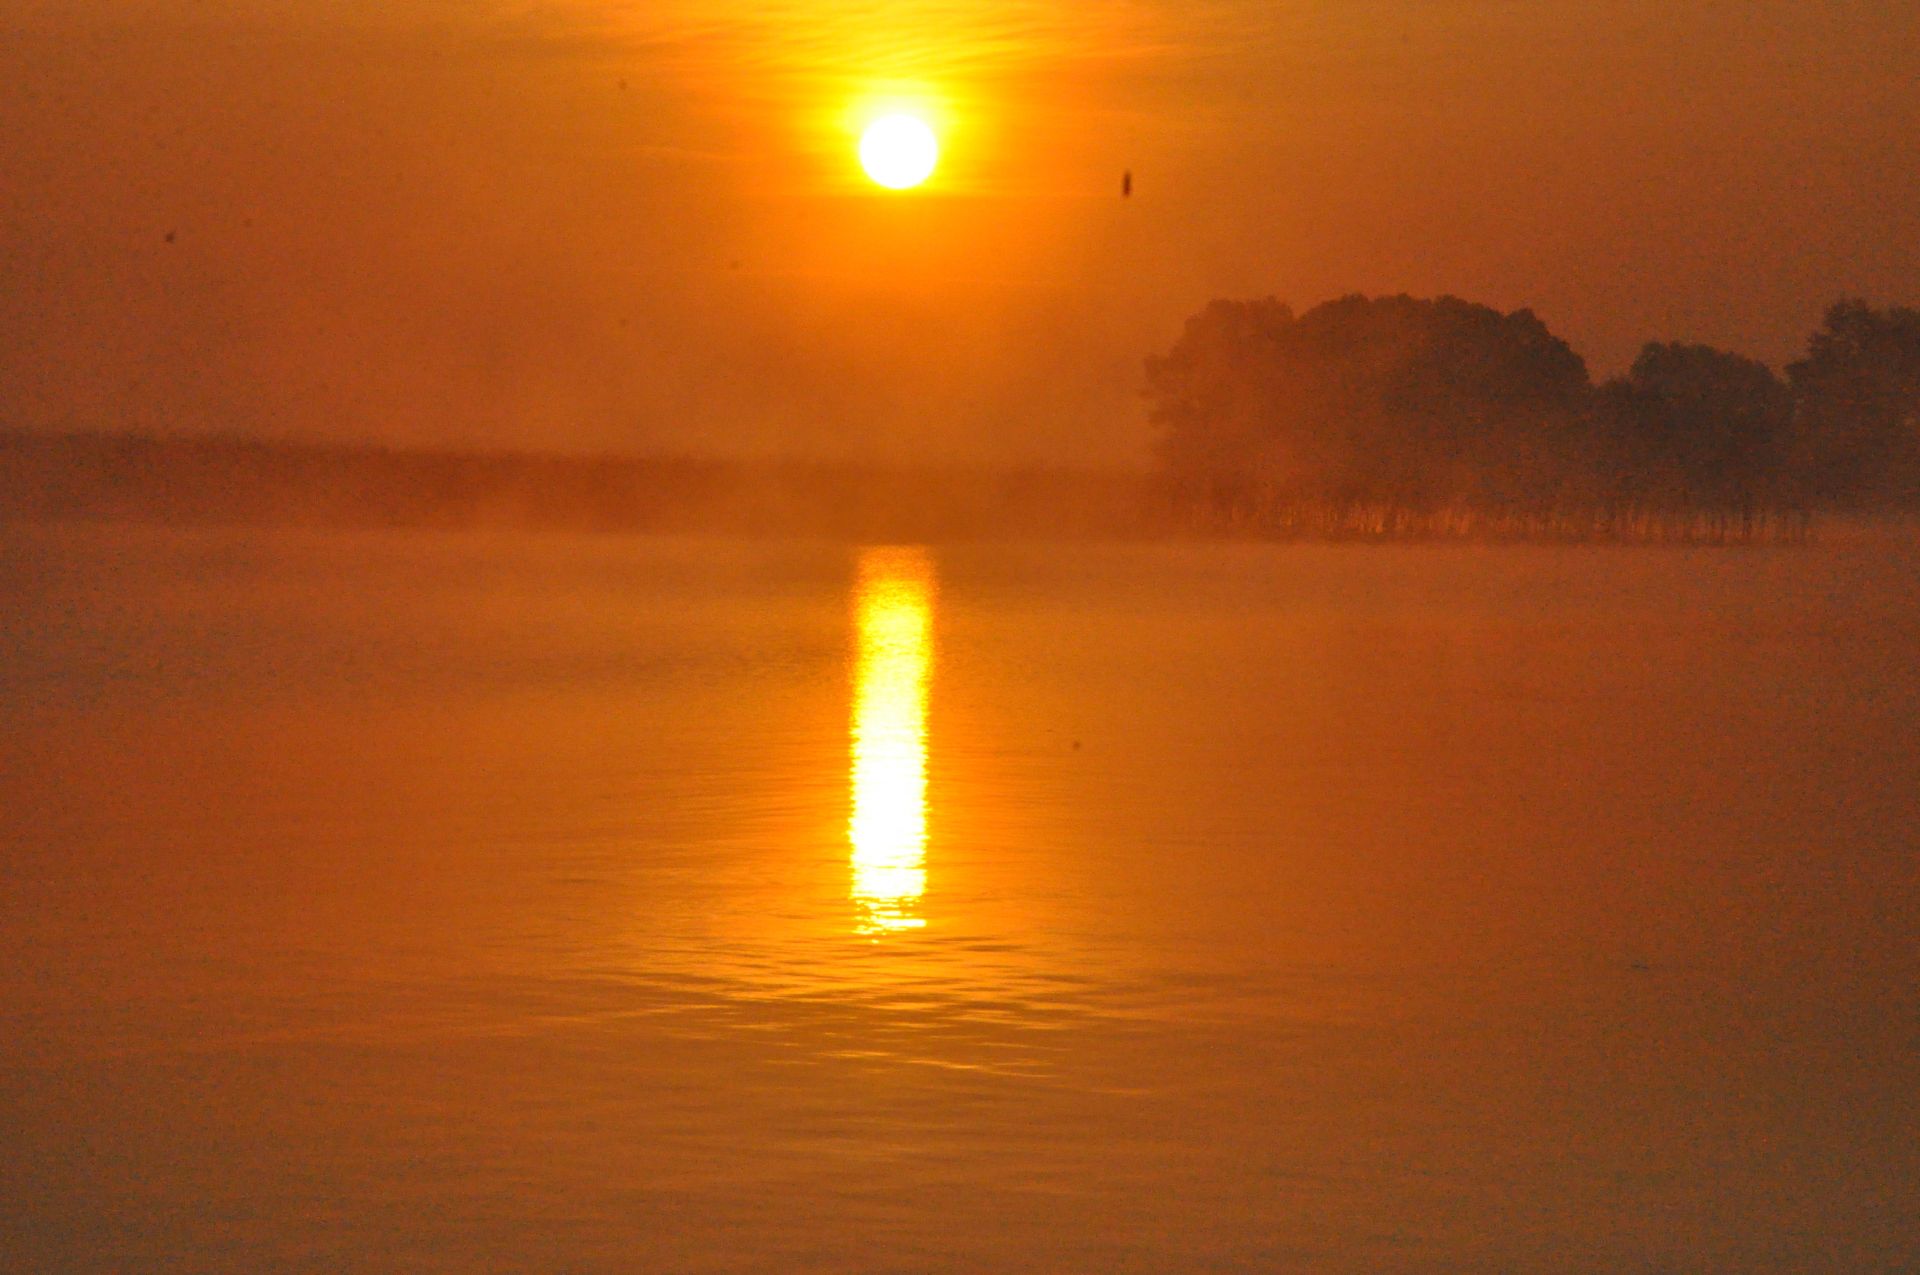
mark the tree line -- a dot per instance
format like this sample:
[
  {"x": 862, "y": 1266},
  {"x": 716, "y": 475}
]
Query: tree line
[
  {"x": 235, "y": 480},
  {"x": 1399, "y": 415}
]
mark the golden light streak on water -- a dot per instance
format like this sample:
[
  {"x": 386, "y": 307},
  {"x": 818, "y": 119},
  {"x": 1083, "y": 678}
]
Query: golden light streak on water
[{"x": 894, "y": 660}]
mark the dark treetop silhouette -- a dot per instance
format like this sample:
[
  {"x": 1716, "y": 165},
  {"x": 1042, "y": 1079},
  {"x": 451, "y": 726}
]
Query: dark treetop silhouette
[
  {"x": 1392, "y": 399},
  {"x": 1857, "y": 404},
  {"x": 1692, "y": 425},
  {"x": 1398, "y": 415}
]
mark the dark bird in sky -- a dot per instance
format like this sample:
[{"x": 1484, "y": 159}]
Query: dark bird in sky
[{"x": 1126, "y": 184}]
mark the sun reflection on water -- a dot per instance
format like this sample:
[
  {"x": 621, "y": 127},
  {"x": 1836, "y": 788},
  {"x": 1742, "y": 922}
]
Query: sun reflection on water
[{"x": 888, "y": 831}]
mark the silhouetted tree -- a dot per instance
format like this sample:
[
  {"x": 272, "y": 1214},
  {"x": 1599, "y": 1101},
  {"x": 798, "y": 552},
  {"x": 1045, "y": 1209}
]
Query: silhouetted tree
[
  {"x": 1857, "y": 403},
  {"x": 1397, "y": 400},
  {"x": 1693, "y": 426}
]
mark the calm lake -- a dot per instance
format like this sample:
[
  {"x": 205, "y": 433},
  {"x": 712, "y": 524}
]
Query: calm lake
[{"x": 434, "y": 902}]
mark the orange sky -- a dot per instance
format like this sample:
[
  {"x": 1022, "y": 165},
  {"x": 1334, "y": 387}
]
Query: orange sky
[{"x": 639, "y": 226}]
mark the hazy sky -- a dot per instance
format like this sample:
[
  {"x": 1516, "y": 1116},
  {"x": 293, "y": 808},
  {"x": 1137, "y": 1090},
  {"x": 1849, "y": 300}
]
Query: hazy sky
[{"x": 558, "y": 223}]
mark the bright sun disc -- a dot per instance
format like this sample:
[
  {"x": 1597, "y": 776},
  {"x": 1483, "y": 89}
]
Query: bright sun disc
[{"x": 899, "y": 151}]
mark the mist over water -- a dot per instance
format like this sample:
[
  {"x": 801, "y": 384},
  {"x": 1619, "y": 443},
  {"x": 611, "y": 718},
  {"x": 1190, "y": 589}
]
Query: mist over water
[{"x": 481, "y": 902}]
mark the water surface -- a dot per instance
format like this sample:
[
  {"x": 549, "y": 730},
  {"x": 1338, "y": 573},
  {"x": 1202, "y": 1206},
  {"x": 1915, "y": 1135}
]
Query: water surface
[{"x": 450, "y": 902}]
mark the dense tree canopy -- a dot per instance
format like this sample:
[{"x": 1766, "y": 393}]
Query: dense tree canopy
[
  {"x": 1857, "y": 395},
  {"x": 1693, "y": 424},
  {"x": 1415, "y": 405},
  {"x": 1389, "y": 398}
]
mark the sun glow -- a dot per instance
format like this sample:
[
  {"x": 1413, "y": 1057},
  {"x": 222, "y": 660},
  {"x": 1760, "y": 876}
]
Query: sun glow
[
  {"x": 899, "y": 151},
  {"x": 888, "y": 831}
]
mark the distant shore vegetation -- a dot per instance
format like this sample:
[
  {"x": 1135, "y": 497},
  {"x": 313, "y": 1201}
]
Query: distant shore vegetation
[
  {"x": 1363, "y": 418},
  {"x": 213, "y": 480},
  {"x": 1406, "y": 417}
]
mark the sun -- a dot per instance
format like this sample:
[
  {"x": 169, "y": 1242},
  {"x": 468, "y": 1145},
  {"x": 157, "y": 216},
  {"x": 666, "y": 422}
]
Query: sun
[{"x": 899, "y": 151}]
